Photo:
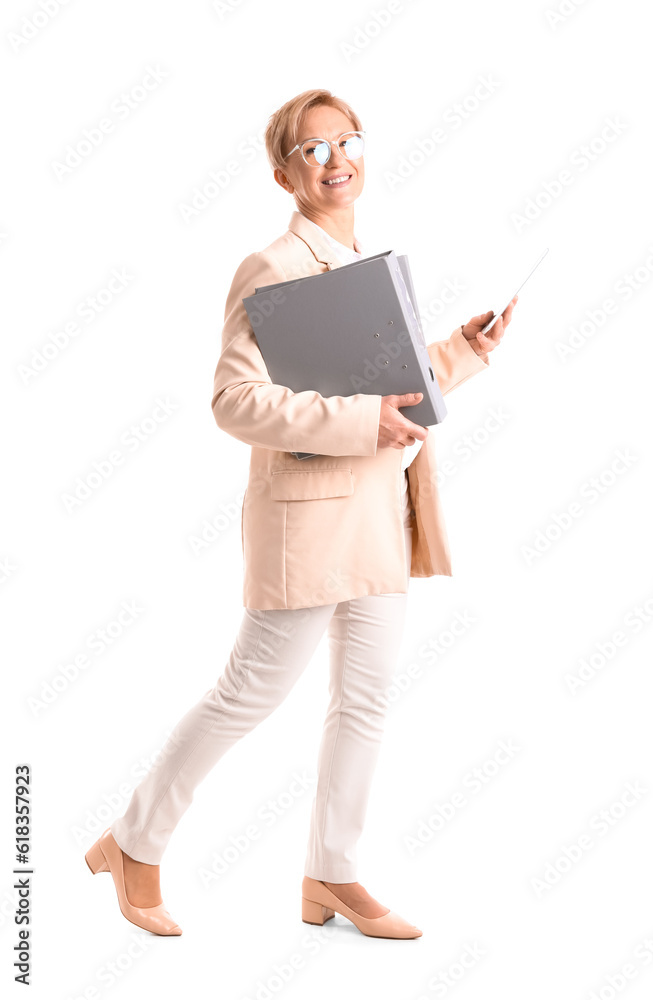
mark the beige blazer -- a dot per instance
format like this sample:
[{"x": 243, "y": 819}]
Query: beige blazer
[{"x": 324, "y": 529}]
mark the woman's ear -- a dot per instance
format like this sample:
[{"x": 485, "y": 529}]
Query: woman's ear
[{"x": 282, "y": 179}]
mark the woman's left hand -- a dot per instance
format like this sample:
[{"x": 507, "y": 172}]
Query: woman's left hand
[{"x": 481, "y": 342}]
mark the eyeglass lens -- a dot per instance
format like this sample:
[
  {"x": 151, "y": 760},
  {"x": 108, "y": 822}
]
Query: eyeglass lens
[{"x": 316, "y": 152}]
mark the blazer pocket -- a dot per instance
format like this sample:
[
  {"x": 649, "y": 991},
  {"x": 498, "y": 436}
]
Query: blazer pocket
[{"x": 311, "y": 484}]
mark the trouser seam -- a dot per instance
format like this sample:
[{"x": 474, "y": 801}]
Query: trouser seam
[{"x": 335, "y": 738}]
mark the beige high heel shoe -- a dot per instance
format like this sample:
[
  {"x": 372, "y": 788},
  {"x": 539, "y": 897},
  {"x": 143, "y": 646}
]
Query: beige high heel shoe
[
  {"x": 106, "y": 856},
  {"x": 319, "y": 904}
]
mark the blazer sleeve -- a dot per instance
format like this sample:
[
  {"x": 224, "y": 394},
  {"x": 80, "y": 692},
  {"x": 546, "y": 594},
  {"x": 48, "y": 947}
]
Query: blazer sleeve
[
  {"x": 250, "y": 407},
  {"x": 455, "y": 360}
]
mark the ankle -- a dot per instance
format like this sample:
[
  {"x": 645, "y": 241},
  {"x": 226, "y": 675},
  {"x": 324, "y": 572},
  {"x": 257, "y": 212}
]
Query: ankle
[{"x": 141, "y": 882}]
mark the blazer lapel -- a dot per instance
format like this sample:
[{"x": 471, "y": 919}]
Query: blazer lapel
[{"x": 300, "y": 226}]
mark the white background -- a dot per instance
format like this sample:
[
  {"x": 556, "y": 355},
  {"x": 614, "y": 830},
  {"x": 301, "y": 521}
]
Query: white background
[{"x": 65, "y": 573}]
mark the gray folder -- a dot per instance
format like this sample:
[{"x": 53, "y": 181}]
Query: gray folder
[{"x": 353, "y": 329}]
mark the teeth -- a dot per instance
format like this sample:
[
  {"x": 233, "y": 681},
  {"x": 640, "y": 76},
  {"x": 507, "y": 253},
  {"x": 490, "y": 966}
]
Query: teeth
[{"x": 338, "y": 180}]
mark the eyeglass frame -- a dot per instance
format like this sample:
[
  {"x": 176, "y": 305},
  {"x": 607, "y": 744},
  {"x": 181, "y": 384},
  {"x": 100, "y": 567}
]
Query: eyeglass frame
[{"x": 352, "y": 131}]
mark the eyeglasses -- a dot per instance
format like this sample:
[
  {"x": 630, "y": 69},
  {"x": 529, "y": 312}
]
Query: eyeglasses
[{"x": 317, "y": 152}]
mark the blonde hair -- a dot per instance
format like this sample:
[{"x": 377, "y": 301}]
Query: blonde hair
[{"x": 283, "y": 126}]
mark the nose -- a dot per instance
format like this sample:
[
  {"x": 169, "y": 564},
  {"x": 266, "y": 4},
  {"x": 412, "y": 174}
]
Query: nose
[{"x": 336, "y": 156}]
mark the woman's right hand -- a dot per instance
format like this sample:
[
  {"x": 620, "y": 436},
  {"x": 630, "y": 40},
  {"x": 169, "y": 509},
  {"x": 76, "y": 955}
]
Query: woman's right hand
[{"x": 395, "y": 430}]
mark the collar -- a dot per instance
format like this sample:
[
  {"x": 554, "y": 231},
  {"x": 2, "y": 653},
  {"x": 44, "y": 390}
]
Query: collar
[{"x": 302, "y": 227}]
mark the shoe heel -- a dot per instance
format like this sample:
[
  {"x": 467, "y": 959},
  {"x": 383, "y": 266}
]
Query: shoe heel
[
  {"x": 96, "y": 860},
  {"x": 315, "y": 913}
]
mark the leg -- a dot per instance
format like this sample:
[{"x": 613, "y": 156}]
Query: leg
[
  {"x": 270, "y": 652},
  {"x": 364, "y": 634}
]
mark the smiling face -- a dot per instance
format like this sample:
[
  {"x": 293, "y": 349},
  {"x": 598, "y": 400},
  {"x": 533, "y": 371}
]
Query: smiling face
[{"x": 313, "y": 196}]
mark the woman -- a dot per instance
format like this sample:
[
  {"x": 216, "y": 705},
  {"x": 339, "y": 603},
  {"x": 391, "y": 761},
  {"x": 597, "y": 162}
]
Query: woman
[{"x": 329, "y": 542}]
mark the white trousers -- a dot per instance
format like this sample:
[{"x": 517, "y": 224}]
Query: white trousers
[{"x": 271, "y": 650}]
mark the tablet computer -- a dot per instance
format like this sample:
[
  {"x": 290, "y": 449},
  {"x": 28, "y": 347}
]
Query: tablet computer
[{"x": 488, "y": 326}]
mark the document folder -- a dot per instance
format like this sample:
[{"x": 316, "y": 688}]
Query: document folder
[{"x": 352, "y": 329}]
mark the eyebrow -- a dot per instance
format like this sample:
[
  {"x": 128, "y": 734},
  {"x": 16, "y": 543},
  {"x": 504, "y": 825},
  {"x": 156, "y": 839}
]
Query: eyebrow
[{"x": 300, "y": 141}]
